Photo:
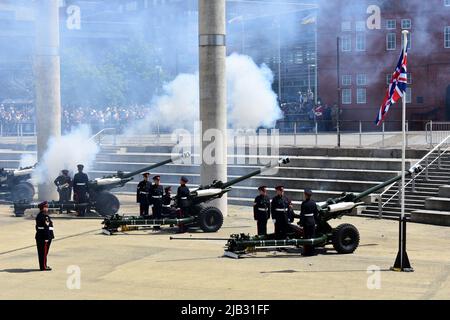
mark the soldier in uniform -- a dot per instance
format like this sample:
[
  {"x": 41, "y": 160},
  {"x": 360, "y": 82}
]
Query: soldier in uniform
[
  {"x": 142, "y": 195},
  {"x": 308, "y": 217},
  {"x": 261, "y": 210},
  {"x": 64, "y": 185},
  {"x": 183, "y": 201},
  {"x": 281, "y": 210},
  {"x": 44, "y": 235},
  {"x": 167, "y": 201},
  {"x": 80, "y": 189},
  {"x": 156, "y": 194}
]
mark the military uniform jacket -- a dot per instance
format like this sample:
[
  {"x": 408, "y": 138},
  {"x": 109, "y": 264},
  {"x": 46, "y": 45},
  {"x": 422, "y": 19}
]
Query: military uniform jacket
[
  {"x": 80, "y": 182},
  {"x": 156, "y": 194},
  {"x": 166, "y": 200},
  {"x": 44, "y": 227},
  {"x": 309, "y": 213},
  {"x": 61, "y": 182},
  {"x": 183, "y": 196},
  {"x": 261, "y": 208},
  {"x": 143, "y": 191},
  {"x": 280, "y": 209}
]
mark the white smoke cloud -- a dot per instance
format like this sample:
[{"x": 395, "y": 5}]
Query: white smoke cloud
[
  {"x": 27, "y": 160},
  {"x": 251, "y": 101},
  {"x": 66, "y": 152}
]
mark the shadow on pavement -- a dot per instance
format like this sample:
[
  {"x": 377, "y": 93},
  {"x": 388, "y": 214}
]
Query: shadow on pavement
[{"x": 20, "y": 270}]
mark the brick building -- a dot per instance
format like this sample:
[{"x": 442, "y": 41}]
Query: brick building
[{"x": 369, "y": 50}]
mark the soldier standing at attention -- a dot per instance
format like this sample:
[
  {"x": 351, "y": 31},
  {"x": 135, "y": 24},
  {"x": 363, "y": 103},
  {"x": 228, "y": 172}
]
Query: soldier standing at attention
[
  {"x": 142, "y": 195},
  {"x": 167, "y": 201},
  {"x": 183, "y": 202},
  {"x": 44, "y": 235},
  {"x": 156, "y": 194},
  {"x": 80, "y": 189},
  {"x": 280, "y": 210},
  {"x": 64, "y": 186},
  {"x": 261, "y": 210},
  {"x": 308, "y": 217}
]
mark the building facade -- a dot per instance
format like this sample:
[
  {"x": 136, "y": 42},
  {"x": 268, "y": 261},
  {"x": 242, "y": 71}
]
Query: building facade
[{"x": 370, "y": 33}]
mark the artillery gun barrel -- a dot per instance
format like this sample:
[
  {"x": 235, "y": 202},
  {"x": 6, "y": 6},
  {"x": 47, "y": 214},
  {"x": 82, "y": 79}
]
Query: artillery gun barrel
[
  {"x": 153, "y": 166},
  {"x": 369, "y": 191},
  {"x": 201, "y": 239},
  {"x": 254, "y": 173}
]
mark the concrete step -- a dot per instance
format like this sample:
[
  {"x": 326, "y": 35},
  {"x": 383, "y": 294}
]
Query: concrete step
[
  {"x": 444, "y": 191},
  {"x": 306, "y": 162},
  {"x": 289, "y": 183},
  {"x": 296, "y": 151},
  {"x": 436, "y": 203},
  {"x": 251, "y": 193},
  {"x": 434, "y": 217}
]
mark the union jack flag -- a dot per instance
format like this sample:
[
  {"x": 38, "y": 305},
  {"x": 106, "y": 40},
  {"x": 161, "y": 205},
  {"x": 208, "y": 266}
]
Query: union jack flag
[{"x": 397, "y": 87}]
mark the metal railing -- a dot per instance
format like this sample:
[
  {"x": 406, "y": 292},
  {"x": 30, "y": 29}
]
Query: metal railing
[
  {"x": 97, "y": 138},
  {"x": 425, "y": 163},
  {"x": 353, "y": 133},
  {"x": 436, "y": 131}
]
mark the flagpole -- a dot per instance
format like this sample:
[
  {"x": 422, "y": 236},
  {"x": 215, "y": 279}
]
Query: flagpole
[{"x": 402, "y": 261}]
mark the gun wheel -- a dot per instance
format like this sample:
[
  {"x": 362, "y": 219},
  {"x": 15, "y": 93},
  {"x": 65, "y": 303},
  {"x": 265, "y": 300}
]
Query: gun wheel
[
  {"x": 345, "y": 238},
  {"x": 106, "y": 204},
  {"x": 210, "y": 219},
  {"x": 24, "y": 191}
]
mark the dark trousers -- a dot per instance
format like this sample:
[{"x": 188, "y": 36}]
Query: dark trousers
[
  {"x": 64, "y": 197},
  {"x": 261, "y": 225},
  {"x": 157, "y": 211},
  {"x": 309, "y": 233},
  {"x": 143, "y": 208},
  {"x": 183, "y": 213},
  {"x": 280, "y": 228},
  {"x": 81, "y": 197},
  {"x": 43, "y": 247}
]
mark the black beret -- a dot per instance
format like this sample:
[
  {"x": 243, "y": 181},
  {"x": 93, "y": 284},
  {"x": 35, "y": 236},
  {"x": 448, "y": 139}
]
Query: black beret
[
  {"x": 184, "y": 179},
  {"x": 42, "y": 205}
]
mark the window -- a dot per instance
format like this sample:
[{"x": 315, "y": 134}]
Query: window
[
  {"x": 391, "y": 24},
  {"x": 346, "y": 43},
  {"x": 360, "y": 26},
  {"x": 447, "y": 37},
  {"x": 346, "y": 96},
  {"x": 361, "y": 79},
  {"x": 408, "y": 36},
  {"x": 406, "y": 23},
  {"x": 361, "y": 96},
  {"x": 447, "y": 3},
  {"x": 408, "y": 95},
  {"x": 346, "y": 80},
  {"x": 391, "y": 41},
  {"x": 388, "y": 78},
  {"x": 360, "y": 41},
  {"x": 409, "y": 79},
  {"x": 346, "y": 26}
]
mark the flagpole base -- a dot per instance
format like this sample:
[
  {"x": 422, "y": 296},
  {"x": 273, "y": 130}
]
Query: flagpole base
[{"x": 402, "y": 263}]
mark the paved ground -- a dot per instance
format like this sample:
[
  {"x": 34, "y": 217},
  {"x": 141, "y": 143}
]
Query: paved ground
[{"x": 147, "y": 265}]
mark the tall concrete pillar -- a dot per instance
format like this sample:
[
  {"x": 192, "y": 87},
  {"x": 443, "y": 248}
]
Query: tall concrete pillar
[
  {"x": 47, "y": 82},
  {"x": 213, "y": 109}
]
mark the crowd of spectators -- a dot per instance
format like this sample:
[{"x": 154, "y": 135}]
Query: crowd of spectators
[
  {"x": 20, "y": 118},
  {"x": 99, "y": 118},
  {"x": 306, "y": 113}
]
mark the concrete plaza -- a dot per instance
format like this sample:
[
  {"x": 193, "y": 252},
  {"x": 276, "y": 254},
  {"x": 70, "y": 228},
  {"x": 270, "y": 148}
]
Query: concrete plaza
[{"x": 147, "y": 265}]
